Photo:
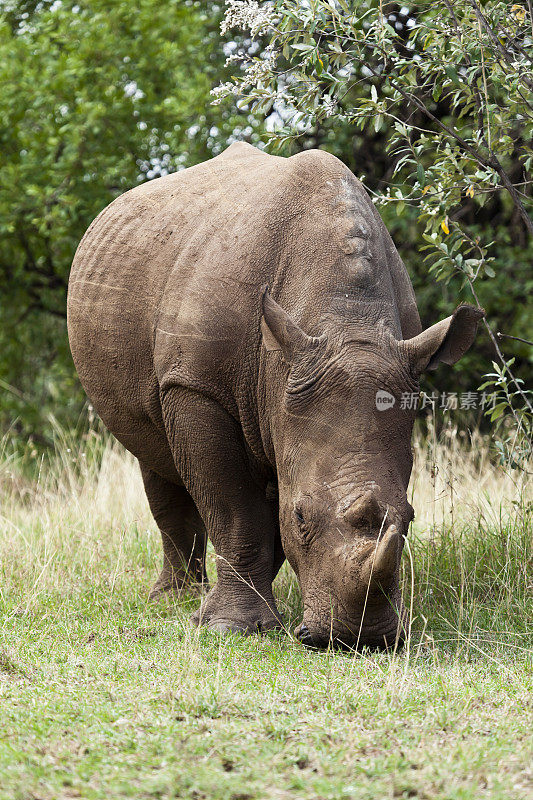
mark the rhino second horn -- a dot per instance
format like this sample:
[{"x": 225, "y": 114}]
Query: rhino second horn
[
  {"x": 383, "y": 562},
  {"x": 366, "y": 510}
]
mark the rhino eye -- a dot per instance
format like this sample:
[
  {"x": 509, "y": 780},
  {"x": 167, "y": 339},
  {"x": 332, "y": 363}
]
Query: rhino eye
[
  {"x": 306, "y": 529},
  {"x": 299, "y": 516}
]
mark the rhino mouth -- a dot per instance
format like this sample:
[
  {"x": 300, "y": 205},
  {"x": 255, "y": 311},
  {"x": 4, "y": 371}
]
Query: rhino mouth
[{"x": 393, "y": 638}]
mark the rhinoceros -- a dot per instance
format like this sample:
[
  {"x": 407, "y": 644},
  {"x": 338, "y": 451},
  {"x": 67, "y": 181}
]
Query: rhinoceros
[{"x": 246, "y": 328}]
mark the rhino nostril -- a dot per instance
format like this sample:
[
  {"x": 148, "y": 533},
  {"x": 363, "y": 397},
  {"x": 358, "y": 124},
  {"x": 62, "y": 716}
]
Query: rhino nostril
[{"x": 303, "y": 635}]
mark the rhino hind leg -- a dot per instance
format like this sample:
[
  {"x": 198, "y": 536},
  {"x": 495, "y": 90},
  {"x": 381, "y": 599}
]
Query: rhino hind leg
[
  {"x": 220, "y": 474},
  {"x": 183, "y": 535}
]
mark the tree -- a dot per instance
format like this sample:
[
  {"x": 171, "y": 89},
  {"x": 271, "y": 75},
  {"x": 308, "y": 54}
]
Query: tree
[
  {"x": 449, "y": 88},
  {"x": 96, "y": 97}
]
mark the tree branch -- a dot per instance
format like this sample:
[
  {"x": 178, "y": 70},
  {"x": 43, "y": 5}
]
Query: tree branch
[
  {"x": 516, "y": 338},
  {"x": 491, "y": 163},
  {"x": 496, "y": 42},
  {"x": 500, "y": 354}
]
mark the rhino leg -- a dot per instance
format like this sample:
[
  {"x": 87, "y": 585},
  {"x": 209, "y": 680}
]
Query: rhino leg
[
  {"x": 182, "y": 532},
  {"x": 219, "y": 473}
]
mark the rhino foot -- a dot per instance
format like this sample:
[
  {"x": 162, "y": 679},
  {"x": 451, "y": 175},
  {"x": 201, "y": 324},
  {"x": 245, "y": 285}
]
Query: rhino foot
[
  {"x": 233, "y": 617},
  {"x": 177, "y": 584},
  {"x": 244, "y": 626}
]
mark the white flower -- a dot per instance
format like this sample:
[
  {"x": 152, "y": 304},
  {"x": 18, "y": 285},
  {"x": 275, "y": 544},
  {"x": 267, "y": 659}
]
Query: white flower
[
  {"x": 221, "y": 91},
  {"x": 328, "y": 106},
  {"x": 257, "y": 71},
  {"x": 234, "y": 58},
  {"x": 270, "y": 54},
  {"x": 247, "y": 15}
]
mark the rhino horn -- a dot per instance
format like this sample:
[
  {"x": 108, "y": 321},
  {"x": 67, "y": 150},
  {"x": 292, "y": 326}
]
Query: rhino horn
[
  {"x": 382, "y": 563},
  {"x": 365, "y": 511}
]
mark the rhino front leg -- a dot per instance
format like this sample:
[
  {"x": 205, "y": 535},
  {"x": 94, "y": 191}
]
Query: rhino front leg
[{"x": 213, "y": 462}]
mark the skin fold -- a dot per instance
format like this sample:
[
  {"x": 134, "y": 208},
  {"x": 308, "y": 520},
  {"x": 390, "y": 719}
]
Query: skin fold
[{"x": 232, "y": 324}]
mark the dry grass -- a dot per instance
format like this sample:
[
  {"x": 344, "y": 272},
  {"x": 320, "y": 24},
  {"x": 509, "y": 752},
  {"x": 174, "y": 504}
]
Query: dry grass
[
  {"x": 455, "y": 479},
  {"x": 94, "y": 486}
]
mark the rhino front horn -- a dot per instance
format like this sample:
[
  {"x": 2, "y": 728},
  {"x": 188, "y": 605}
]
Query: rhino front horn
[{"x": 382, "y": 563}]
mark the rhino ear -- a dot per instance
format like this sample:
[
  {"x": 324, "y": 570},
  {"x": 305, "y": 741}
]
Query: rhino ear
[
  {"x": 447, "y": 340},
  {"x": 279, "y": 330}
]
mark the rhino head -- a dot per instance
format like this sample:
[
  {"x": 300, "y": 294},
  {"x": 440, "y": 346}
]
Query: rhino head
[{"x": 344, "y": 462}]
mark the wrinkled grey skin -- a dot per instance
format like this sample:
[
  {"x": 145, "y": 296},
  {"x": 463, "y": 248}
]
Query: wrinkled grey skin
[{"x": 252, "y": 411}]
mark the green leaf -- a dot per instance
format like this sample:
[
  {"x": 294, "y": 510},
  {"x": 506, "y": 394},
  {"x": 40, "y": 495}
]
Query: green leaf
[
  {"x": 304, "y": 48},
  {"x": 498, "y": 410},
  {"x": 451, "y": 72}
]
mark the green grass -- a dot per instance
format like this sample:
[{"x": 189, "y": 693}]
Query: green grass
[{"x": 103, "y": 695}]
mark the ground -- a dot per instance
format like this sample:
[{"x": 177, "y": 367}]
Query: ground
[{"x": 105, "y": 695}]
